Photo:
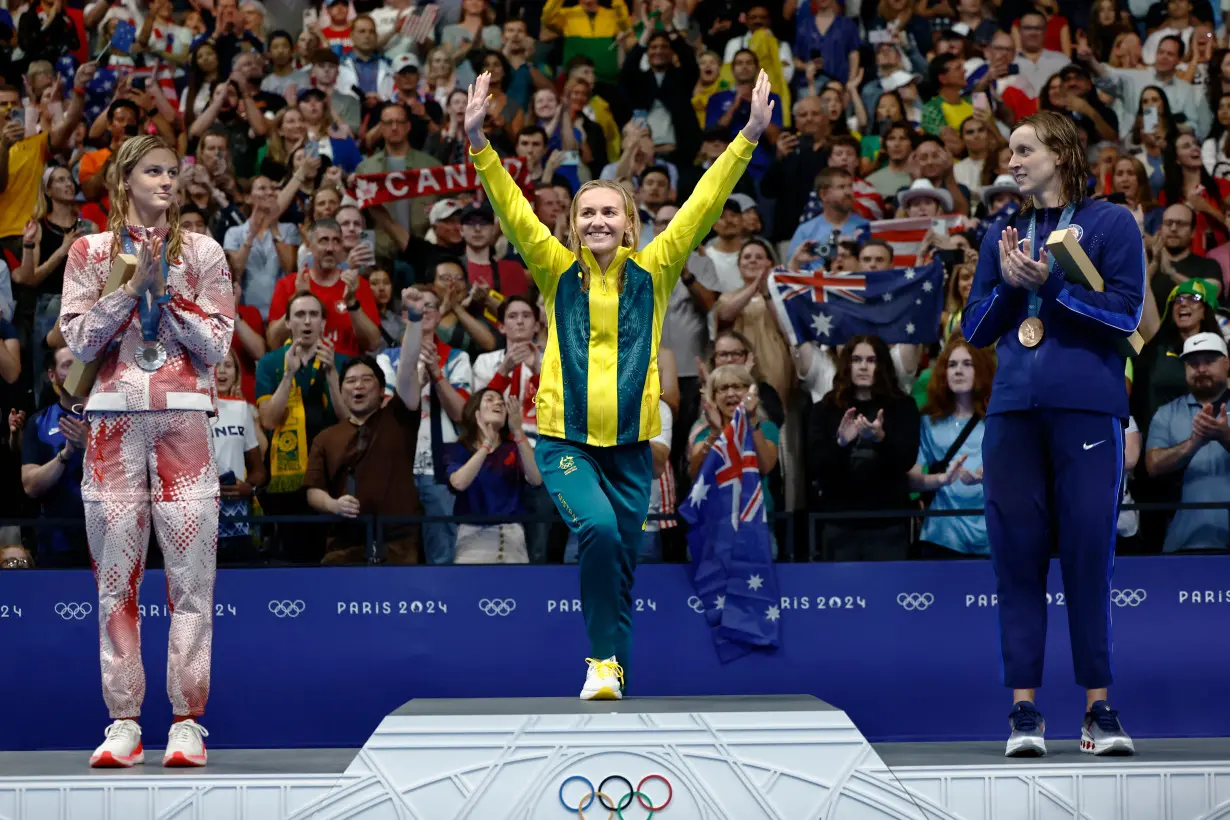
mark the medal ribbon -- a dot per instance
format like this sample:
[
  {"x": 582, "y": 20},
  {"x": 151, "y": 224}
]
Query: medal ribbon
[
  {"x": 1065, "y": 219},
  {"x": 150, "y": 309}
]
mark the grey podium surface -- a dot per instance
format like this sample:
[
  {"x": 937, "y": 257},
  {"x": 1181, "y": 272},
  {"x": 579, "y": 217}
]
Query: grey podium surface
[{"x": 436, "y": 707}]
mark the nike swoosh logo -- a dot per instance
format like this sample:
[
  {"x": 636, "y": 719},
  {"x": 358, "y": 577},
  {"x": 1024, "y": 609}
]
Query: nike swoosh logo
[{"x": 1095, "y": 444}]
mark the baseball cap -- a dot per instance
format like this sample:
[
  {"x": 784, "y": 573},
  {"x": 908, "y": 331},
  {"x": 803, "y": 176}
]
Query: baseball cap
[
  {"x": 746, "y": 203},
  {"x": 477, "y": 213},
  {"x": 324, "y": 56},
  {"x": 1204, "y": 343},
  {"x": 1197, "y": 287},
  {"x": 311, "y": 91},
  {"x": 444, "y": 209},
  {"x": 405, "y": 62},
  {"x": 899, "y": 79}
]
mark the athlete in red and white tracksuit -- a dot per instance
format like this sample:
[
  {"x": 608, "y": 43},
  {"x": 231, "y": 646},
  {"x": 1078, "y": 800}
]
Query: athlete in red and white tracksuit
[{"x": 150, "y": 457}]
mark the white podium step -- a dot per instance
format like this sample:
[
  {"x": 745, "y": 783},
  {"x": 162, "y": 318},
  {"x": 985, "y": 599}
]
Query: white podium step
[{"x": 739, "y": 758}]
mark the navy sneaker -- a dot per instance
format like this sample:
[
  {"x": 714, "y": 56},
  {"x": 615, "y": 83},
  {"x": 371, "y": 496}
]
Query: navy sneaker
[
  {"x": 1028, "y": 726},
  {"x": 1102, "y": 733}
]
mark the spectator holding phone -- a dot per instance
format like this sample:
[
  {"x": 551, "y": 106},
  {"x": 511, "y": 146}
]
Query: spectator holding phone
[{"x": 45, "y": 243}]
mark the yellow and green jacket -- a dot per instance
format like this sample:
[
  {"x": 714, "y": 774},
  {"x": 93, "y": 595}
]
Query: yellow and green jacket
[
  {"x": 599, "y": 380},
  {"x": 591, "y": 35}
]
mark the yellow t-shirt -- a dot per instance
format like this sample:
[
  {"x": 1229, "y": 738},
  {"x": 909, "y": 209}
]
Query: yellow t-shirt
[
  {"x": 954, "y": 115},
  {"x": 27, "y": 159}
]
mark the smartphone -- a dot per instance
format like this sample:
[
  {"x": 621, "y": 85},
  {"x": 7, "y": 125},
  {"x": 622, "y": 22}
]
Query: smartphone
[
  {"x": 17, "y": 115},
  {"x": 1149, "y": 120},
  {"x": 311, "y": 150},
  {"x": 227, "y": 478},
  {"x": 939, "y": 227},
  {"x": 139, "y": 83},
  {"x": 881, "y": 37},
  {"x": 104, "y": 57},
  {"x": 640, "y": 117},
  {"x": 368, "y": 238},
  {"x": 81, "y": 226},
  {"x": 309, "y": 18},
  {"x": 1013, "y": 68},
  {"x": 570, "y": 158}
]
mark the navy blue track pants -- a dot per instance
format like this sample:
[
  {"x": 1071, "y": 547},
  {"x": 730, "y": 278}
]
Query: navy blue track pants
[{"x": 1053, "y": 476}]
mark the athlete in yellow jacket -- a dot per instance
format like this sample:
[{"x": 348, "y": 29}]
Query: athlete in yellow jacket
[{"x": 598, "y": 391}]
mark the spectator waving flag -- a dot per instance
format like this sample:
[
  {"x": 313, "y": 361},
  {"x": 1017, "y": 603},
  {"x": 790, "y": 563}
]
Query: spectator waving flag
[
  {"x": 902, "y": 305},
  {"x": 732, "y": 551},
  {"x": 906, "y": 235}
]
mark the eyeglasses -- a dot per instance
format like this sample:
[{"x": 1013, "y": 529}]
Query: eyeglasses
[
  {"x": 1189, "y": 297},
  {"x": 16, "y": 563},
  {"x": 724, "y": 388}
]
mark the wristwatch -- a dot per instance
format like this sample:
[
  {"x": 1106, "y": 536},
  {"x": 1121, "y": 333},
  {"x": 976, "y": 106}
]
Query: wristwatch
[
  {"x": 352, "y": 306},
  {"x": 688, "y": 279}
]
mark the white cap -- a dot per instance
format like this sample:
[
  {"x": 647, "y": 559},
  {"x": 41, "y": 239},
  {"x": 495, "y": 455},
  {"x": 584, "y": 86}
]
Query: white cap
[
  {"x": 443, "y": 210},
  {"x": 922, "y": 188},
  {"x": 402, "y": 61},
  {"x": 1003, "y": 184},
  {"x": 1204, "y": 343},
  {"x": 746, "y": 203},
  {"x": 899, "y": 79}
]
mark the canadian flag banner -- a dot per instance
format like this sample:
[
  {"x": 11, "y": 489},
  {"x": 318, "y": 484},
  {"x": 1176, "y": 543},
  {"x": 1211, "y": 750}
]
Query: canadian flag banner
[{"x": 377, "y": 189}]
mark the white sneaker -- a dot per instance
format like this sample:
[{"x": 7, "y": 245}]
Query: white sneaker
[
  {"x": 604, "y": 681},
  {"x": 121, "y": 749},
  {"x": 185, "y": 746}
]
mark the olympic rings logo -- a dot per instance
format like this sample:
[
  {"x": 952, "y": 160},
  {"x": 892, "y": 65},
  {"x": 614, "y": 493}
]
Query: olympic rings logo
[
  {"x": 697, "y": 605},
  {"x": 74, "y": 611},
  {"x": 1128, "y": 597},
  {"x": 492, "y": 607},
  {"x": 615, "y": 809},
  {"x": 287, "y": 609},
  {"x": 915, "y": 600}
]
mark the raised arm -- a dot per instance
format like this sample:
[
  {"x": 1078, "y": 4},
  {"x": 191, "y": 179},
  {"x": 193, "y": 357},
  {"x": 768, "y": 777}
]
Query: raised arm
[
  {"x": 408, "y": 387},
  {"x": 544, "y": 255},
  {"x": 668, "y": 251}
]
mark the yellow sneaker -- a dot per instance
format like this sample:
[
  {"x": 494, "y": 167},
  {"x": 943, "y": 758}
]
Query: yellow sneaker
[{"x": 604, "y": 681}]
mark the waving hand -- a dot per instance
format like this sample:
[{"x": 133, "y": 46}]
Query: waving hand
[
  {"x": 476, "y": 111},
  {"x": 762, "y": 109}
]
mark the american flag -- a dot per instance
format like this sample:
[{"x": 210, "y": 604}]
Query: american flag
[
  {"x": 732, "y": 547},
  {"x": 420, "y": 26},
  {"x": 906, "y": 235}
]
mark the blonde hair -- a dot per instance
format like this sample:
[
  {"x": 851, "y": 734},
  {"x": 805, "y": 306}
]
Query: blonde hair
[
  {"x": 726, "y": 373},
  {"x": 42, "y": 206},
  {"x": 631, "y": 235},
  {"x": 126, "y": 158}
]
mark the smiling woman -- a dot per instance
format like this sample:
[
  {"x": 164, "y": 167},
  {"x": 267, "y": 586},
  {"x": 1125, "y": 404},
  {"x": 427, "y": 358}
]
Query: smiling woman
[{"x": 597, "y": 399}]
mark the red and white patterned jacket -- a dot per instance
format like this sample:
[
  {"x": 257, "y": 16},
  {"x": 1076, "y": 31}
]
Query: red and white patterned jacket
[{"x": 196, "y": 326}]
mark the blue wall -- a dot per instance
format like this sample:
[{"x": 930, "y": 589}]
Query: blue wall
[{"x": 367, "y": 639}]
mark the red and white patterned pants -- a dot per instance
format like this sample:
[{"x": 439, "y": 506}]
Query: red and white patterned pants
[{"x": 159, "y": 467}]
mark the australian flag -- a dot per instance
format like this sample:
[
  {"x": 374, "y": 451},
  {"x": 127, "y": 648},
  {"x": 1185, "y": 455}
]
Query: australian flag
[
  {"x": 901, "y": 305},
  {"x": 732, "y": 549}
]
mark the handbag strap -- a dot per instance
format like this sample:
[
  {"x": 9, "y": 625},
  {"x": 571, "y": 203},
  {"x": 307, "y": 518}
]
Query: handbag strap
[{"x": 942, "y": 465}]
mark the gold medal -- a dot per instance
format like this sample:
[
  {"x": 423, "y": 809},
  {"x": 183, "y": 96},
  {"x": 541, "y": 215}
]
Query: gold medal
[{"x": 1030, "y": 332}]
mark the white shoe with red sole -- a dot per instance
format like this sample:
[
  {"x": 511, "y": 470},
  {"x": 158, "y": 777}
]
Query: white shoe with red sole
[
  {"x": 122, "y": 749},
  {"x": 185, "y": 745}
]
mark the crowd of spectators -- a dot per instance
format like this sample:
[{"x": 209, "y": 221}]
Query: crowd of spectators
[{"x": 900, "y": 108}]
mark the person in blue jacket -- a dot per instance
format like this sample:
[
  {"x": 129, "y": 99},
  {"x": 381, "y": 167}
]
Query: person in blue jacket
[{"x": 1053, "y": 443}]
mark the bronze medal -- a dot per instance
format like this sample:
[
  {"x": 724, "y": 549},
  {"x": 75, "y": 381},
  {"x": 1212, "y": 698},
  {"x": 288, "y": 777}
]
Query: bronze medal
[{"x": 1030, "y": 332}]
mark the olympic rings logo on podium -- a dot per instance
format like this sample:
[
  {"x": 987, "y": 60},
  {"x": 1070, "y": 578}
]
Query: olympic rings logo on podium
[
  {"x": 287, "y": 609},
  {"x": 616, "y": 808},
  {"x": 1128, "y": 597},
  {"x": 492, "y": 607},
  {"x": 72, "y": 611},
  {"x": 915, "y": 601}
]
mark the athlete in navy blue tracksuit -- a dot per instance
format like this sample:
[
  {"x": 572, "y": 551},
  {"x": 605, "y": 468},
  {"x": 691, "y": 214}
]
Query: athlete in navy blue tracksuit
[{"x": 1053, "y": 445}]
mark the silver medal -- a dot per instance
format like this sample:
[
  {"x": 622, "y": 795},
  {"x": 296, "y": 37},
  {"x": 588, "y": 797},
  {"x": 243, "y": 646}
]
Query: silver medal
[{"x": 151, "y": 356}]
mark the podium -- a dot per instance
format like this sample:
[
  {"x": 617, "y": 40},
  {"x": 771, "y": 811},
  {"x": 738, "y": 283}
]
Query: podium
[{"x": 788, "y": 757}]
